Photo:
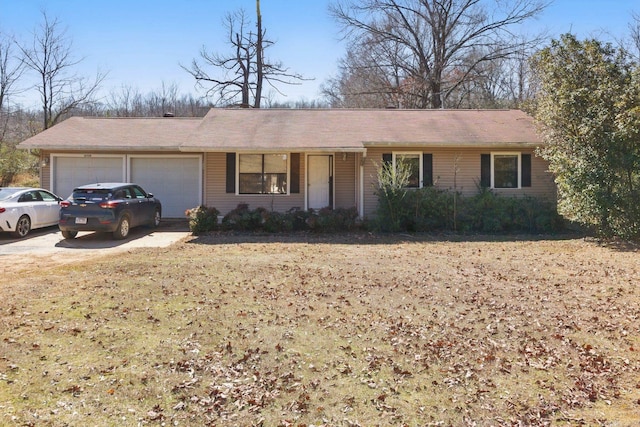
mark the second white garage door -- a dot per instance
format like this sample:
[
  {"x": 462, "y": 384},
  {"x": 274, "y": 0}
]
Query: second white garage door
[{"x": 176, "y": 181}]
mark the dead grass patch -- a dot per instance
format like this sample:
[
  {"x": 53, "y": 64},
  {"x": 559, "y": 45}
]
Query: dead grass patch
[{"x": 326, "y": 330}]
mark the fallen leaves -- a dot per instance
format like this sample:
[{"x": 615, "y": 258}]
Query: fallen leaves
[{"x": 322, "y": 330}]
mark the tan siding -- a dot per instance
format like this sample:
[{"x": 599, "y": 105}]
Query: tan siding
[
  {"x": 45, "y": 174},
  {"x": 216, "y": 195},
  {"x": 345, "y": 180},
  {"x": 459, "y": 170}
]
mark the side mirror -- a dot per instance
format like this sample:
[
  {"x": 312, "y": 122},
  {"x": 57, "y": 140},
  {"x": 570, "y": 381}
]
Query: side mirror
[{"x": 150, "y": 195}]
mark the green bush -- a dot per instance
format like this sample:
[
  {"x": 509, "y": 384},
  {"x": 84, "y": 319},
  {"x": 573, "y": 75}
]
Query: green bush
[
  {"x": 328, "y": 220},
  {"x": 202, "y": 219},
  {"x": 430, "y": 209},
  {"x": 243, "y": 219}
]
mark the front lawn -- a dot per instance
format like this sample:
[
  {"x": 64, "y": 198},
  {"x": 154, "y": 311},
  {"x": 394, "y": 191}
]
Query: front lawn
[{"x": 300, "y": 330}]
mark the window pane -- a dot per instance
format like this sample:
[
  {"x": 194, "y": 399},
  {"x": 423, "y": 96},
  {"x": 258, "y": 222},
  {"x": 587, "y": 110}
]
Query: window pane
[
  {"x": 263, "y": 174},
  {"x": 413, "y": 161},
  {"x": 250, "y": 163},
  {"x": 250, "y": 183},
  {"x": 275, "y": 183},
  {"x": 275, "y": 163},
  {"x": 505, "y": 171},
  {"x": 47, "y": 197}
]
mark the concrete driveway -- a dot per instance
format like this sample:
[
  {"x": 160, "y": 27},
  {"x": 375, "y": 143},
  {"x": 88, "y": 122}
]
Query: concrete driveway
[{"x": 49, "y": 241}]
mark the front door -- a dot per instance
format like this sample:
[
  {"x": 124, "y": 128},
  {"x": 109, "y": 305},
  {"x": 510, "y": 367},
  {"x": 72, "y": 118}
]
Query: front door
[{"x": 320, "y": 182}]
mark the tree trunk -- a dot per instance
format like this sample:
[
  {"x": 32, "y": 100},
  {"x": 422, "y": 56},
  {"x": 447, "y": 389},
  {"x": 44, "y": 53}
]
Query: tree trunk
[{"x": 259, "y": 60}]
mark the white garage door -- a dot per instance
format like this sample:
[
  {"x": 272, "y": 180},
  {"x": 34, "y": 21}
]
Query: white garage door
[
  {"x": 174, "y": 180},
  {"x": 71, "y": 172}
]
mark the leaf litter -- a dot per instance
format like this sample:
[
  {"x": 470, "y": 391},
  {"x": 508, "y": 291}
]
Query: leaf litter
[{"x": 302, "y": 330}]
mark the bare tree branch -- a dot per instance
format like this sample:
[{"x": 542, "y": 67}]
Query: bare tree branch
[
  {"x": 440, "y": 43},
  {"x": 240, "y": 75},
  {"x": 50, "y": 57},
  {"x": 10, "y": 72}
]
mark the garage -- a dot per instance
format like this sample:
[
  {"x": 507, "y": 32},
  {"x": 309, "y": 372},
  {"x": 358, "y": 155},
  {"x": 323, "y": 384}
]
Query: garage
[
  {"x": 175, "y": 180},
  {"x": 71, "y": 171}
]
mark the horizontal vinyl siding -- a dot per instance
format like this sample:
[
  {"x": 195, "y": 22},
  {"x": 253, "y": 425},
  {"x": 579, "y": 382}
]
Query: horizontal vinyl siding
[
  {"x": 345, "y": 180},
  {"x": 217, "y": 197},
  {"x": 45, "y": 173},
  {"x": 458, "y": 169}
]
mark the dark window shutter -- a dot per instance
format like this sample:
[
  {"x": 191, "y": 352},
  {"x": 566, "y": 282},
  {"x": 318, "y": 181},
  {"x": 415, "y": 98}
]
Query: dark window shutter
[
  {"x": 295, "y": 173},
  {"x": 387, "y": 158},
  {"x": 427, "y": 170},
  {"x": 485, "y": 170},
  {"x": 231, "y": 172},
  {"x": 526, "y": 170}
]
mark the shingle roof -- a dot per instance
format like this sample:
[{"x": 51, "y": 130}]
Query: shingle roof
[
  {"x": 91, "y": 133},
  {"x": 290, "y": 129}
]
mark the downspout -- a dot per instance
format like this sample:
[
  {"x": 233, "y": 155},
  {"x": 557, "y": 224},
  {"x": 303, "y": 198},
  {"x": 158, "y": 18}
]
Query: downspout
[{"x": 363, "y": 158}]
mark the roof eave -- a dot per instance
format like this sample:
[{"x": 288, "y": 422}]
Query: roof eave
[
  {"x": 274, "y": 149},
  {"x": 470, "y": 144},
  {"x": 94, "y": 148}
]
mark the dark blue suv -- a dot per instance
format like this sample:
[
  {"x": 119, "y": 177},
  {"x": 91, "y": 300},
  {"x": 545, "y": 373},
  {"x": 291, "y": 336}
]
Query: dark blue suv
[{"x": 114, "y": 207}]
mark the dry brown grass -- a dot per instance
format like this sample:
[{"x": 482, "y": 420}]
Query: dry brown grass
[{"x": 317, "y": 330}]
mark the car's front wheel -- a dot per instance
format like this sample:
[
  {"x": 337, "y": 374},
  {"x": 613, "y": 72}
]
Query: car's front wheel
[
  {"x": 123, "y": 229},
  {"x": 23, "y": 226},
  {"x": 155, "y": 221}
]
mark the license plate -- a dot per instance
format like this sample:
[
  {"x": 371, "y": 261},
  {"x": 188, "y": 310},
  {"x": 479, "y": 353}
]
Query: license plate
[{"x": 81, "y": 220}]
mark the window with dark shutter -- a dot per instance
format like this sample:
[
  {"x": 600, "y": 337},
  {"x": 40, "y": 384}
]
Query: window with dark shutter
[
  {"x": 485, "y": 170},
  {"x": 387, "y": 158},
  {"x": 526, "y": 170},
  {"x": 231, "y": 172}
]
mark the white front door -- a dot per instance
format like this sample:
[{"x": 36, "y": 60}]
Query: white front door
[{"x": 320, "y": 181}]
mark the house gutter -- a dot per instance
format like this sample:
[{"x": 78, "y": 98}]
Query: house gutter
[
  {"x": 477, "y": 144},
  {"x": 101, "y": 149},
  {"x": 272, "y": 149}
]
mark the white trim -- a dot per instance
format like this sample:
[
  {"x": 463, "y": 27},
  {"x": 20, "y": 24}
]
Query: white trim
[{"x": 518, "y": 155}]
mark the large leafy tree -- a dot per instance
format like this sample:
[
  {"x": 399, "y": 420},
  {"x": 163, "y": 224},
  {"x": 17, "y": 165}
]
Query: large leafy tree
[{"x": 589, "y": 111}]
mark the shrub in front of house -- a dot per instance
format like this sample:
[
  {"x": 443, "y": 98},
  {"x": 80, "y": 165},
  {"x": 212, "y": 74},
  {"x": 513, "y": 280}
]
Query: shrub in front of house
[
  {"x": 393, "y": 212},
  {"x": 202, "y": 219},
  {"x": 429, "y": 209},
  {"x": 242, "y": 218},
  {"x": 328, "y": 220}
]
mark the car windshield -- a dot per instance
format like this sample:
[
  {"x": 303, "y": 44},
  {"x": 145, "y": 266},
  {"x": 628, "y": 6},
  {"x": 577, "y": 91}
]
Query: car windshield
[
  {"x": 91, "y": 195},
  {"x": 6, "y": 193}
]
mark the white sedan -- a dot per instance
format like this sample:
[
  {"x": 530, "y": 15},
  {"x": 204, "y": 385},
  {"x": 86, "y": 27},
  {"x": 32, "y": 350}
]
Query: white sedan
[{"x": 23, "y": 209}]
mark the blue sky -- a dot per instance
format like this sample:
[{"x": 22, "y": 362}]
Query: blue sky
[{"x": 141, "y": 43}]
